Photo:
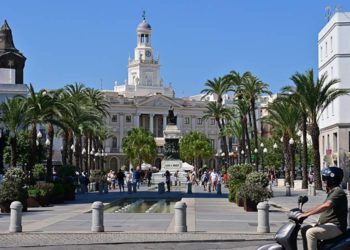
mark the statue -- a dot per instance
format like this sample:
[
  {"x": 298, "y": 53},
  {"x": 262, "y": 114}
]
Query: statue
[{"x": 171, "y": 119}]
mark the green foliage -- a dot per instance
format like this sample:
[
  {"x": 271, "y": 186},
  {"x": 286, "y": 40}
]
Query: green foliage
[
  {"x": 98, "y": 176},
  {"x": 39, "y": 172},
  {"x": 23, "y": 149},
  {"x": 139, "y": 146},
  {"x": 257, "y": 179},
  {"x": 195, "y": 146},
  {"x": 254, "y": 187},
  {"x": 236, "y": 177},
  {"x": 41, "y": 190},
  {"x": 58, "y": 190},
  {"x": 65, "y": 172},
  {"x": 13, "y": 188}
]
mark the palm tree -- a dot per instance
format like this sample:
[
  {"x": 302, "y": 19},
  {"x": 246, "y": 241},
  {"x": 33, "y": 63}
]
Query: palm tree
[
  {"x": 194, "y": 147},
  {"x": 139, "y": 146},
  {"x": 316, "y": 95},
  {"x": 13, "y": 115},
  {"x": 235, "y": 129},
  {"x": 38, "y": 106},
  {"x": 220, "y": 114},
  {"x": 284, "y": 116},
  {"x": 217, "y": 87},
  {"x": 252, "y": 88}
]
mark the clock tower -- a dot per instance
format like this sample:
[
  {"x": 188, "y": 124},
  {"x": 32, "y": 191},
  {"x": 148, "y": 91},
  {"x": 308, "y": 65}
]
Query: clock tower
[{"x": 144, "y": 69}]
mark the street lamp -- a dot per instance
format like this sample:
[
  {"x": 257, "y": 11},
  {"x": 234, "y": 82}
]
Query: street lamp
[
  {"x": 262, "y": 158},
  {"x": 39, "y": 134},
  {"x": 275, "y": 145},
  {"x": 47, "y": 142}
]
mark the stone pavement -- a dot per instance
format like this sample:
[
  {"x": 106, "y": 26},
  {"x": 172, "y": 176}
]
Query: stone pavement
[{"x": 210, "y": 217}]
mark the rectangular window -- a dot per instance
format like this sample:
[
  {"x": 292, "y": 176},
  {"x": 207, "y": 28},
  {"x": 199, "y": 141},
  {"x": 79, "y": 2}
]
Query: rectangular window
[
  {"x": 212, "y": 121},
  {"x": 328, "y": 142},
  {"x": 114, "y": 118},
  {"x": 326, "y": 50},
  {"x": 335, "y": 142},
  {"x": 331, "y": 44},
  {"x": 199, "y": 121},
  {"x": 323, "y": 147},
  {"x": 187, "y": 120},
  {"x": 114, "y": 142},
  {"x": 321, "y": 53},
  {"x": 128, "y": 118},
  {"x": 327, "y": 111}
]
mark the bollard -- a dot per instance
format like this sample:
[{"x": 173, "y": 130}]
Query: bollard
[
  {"x": 189, "y": 188},
  {"x": 161, "y": 187},
  {"x": 218, "y": 189},
  {"x": 288, "y": 189},
  {"x": 129, "y": 187},
  {"x": 263, "y": 217},
  {"x": 309, "y": 189},
  {"x": 16, "y": 217},
  {"x": 97, "y": 217},
  {"x": 313, "y": 190},
  {"x": 180, "y": 217},
  {"x": 134, "y": 190}
]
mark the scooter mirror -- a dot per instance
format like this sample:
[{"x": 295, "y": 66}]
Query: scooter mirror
[{"x": 304, "y": 199}]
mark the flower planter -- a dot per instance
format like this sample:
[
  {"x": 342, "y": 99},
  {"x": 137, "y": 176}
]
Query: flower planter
[
  {"x": 250, "y": 206},
  {"x": 240, "y": 202},
  {"x": 37, "y": 201}
]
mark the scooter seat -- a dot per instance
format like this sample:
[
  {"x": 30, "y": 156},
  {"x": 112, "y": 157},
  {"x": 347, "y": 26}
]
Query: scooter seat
[{"x": 341, "y": 242}]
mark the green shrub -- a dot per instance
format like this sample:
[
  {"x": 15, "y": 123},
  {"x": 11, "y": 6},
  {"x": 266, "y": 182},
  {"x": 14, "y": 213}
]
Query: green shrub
[
  {"x": 39, "y": 172},
  {"x": 253, "y": 192},
  {"x": 98, "y": 176},
  {"x": 257, "y": 179},
  {"x": 13, "y": 188},
  {"x": 236, "y": 177}
]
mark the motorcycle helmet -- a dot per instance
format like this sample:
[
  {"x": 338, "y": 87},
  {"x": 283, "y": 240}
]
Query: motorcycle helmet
[{"x": 332, "y": 176}]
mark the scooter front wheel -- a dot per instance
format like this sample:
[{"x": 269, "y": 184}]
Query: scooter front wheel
[{"x": 273, "y": 246}]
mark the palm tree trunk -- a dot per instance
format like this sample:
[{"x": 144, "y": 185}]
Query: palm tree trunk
[
  {"x": 77, "y": 153},
  {"x": 64, "y": 147},
  {"x": 33, "y": 147},
  {"x": 304, "y": 152},
  {"x": 315, "y": 133},
  {"x": 225, "y": 146},
  {"x": 248, "y": 141},
  {"x": 50, "y": 134},
  {"x": 292, "y": 164},
  {"x": 243, "y": 139},
  {"x": 86, "y": 155},
  {"x": 252, "y": 103},
  {"x": 287, "y": 159},
  {"x": 70, "y": 151},
  {"x": 13, "y": 151}
]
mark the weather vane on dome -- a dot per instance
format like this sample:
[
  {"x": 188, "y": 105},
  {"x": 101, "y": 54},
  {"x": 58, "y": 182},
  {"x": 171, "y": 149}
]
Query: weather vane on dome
[{"x": 144, "y": 15}]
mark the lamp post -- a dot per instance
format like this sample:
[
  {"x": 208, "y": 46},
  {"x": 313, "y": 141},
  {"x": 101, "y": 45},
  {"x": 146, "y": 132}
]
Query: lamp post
[
  {"x": 242, "y": 156},
  {"x": 262, "y": 158},
  {"x": 291, "y": 143},
  {"x": 97, "y": 159}
]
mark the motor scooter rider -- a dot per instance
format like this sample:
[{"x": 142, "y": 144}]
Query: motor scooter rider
[{"x": 333, "y": 218}]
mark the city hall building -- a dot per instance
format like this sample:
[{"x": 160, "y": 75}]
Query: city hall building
[{"x": 143, "y": 102}]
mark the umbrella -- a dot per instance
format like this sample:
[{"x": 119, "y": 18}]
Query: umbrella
[
  {"x": 146, "y": 166},
  {"x": 187, "y": 167}
]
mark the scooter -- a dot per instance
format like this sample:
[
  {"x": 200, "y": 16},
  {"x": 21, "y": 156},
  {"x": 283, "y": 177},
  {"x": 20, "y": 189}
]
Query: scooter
[{"x": 286, "y": 236}]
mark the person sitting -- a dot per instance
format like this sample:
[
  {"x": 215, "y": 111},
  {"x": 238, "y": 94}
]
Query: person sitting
[{"x": 333, "y": 218}]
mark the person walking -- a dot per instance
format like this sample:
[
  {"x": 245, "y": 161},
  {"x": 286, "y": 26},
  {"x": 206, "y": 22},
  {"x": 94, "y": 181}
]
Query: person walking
[
  {"x": 167, "y": 179},
  {"x": 149, "y": 177},
  {"x": 120, "y": 178}
]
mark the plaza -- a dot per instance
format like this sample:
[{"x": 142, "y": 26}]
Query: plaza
[{"x": 180, "y": 162}]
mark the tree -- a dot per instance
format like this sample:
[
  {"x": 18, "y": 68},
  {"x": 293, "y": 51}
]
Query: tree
[
  {"x": 316, "y": 95},
  {"x": 220, "y": 114},
  {"x": 13, "y": 115},
  {"x": 139, "y": 146},
  {"x": 195, "y": 147},
  {"x": 284, "y": 116}
]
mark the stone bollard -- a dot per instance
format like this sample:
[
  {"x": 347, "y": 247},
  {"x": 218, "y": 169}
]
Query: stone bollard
[
  {"x": 129, "y": 187},
  {"x": 218, "y": 189},
  {"x": 16, "y": 217},
  {"x": 97, "y": 217},
  {"x": 180, "y": 217},
  {"x": 288, "y": 189},
  {"x": 263, "y": 217},
  {"x": 134, "y": 189},
  {"x": 313, "y": 190},
  {"x": 189, "y": 188},
  {"x": 161, "y": 188}
]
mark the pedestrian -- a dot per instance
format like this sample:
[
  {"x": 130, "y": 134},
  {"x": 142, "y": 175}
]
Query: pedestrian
[
  {"x": 149, "y": 177},
  {"x": 167, "y": 179},
  {"x": 120, "y": 178}
]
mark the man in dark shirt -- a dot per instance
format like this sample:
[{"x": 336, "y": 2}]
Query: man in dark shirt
[{"x": 333, "y": 218}]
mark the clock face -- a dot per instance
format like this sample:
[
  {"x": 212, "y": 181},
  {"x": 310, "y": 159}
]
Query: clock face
[{"x": 148, "y": 53}]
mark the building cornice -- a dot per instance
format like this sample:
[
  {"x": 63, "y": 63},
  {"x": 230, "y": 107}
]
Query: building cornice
[
  {"x": 331, "y": 59},
  {"x": 337, "y": 125},
  {"x": 331, "y": 28}
]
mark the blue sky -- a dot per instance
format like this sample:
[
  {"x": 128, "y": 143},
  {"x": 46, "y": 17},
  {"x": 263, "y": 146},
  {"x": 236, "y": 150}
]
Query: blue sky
[{"x": 90, "y": 41}]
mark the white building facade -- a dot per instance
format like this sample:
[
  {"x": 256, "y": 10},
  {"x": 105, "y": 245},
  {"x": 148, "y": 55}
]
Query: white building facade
[
  {"x": 334, "y": 60},
  {"x": 143, "y": 101}
]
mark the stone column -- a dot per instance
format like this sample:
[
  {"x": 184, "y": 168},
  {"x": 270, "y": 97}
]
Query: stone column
[
  {"x": 136, "y": 120},
  {"x": 151, "y": 119},
  {"x": 164, "y": 121},
  {"x": 121, "y": 130},
  {"x": 193, "y": 123},
  {"x": 179, "y": 121}
]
